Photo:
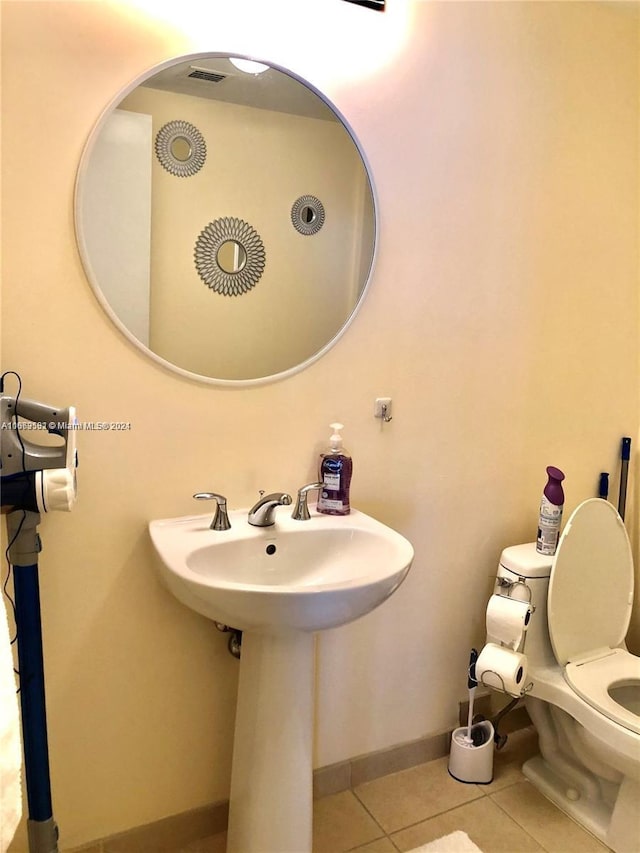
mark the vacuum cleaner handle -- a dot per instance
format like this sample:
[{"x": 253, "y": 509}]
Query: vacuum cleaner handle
[
  {"x": 37, "y": 477},
  {"x": 19, "y": 451}
]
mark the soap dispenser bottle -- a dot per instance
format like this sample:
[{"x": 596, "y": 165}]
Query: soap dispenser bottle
[
  {"x": 334, "y": 472},
  {"x": 550, "y": 513}
]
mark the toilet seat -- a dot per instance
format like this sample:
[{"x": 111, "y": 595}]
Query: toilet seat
[
  {"x": 589, "y": 600},
  {"x": 591, "y": 584},
  {"x": 592, "y": 678}
]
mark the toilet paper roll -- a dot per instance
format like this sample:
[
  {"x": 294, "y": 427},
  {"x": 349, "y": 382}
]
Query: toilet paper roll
[
  {"x": 502, "y": 668},
  {"x": 507, "y": 619}
]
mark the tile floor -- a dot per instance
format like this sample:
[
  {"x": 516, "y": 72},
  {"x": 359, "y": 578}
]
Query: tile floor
[{"x": 412, "y": 807}]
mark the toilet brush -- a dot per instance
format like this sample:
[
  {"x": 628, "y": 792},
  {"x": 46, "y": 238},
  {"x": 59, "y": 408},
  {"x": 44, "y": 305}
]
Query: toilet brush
[
  {"x": 472, "y": 737},
  {"x": 471, "y": 755}
]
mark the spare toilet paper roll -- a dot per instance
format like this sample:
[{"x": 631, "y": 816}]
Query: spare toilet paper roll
[
  {"x": 502, "y": 668},
  {"x": 507, "y": 619}
]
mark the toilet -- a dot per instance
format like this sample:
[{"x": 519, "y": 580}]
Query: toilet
[{"x": 583, "y": 686}]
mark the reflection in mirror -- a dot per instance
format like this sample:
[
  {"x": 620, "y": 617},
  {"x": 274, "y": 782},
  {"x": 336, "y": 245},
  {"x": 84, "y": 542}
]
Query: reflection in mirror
[
  {"x": 139, "y": 229},
  {"x": 181, "y": 148},
  {"x": 307, "y": 215},
  {"x": 231, "y": 256}
]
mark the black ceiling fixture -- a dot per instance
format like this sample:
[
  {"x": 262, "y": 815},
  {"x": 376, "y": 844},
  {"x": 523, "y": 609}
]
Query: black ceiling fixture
[{"x": 378, "y": 5}]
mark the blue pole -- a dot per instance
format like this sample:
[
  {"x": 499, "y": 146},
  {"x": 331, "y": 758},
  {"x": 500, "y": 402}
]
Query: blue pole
[
  {"x": 32, "y": 696},
  {"x": 24, "y": 547}
]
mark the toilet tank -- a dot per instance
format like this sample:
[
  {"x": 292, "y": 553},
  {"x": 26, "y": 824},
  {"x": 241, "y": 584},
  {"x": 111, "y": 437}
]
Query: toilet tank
[{"x": 524, "y": 574}]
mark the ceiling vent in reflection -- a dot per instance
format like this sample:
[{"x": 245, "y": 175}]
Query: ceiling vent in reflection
[
  {"x": 205, "y": 74},
  {"x": 378, "y": 5}
]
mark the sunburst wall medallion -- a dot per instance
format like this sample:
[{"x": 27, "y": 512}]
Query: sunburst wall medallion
[
  {"x": 307, "y": 215},
  {"x": 180, "y": 148},
  {"x": 229, "y": 277}
]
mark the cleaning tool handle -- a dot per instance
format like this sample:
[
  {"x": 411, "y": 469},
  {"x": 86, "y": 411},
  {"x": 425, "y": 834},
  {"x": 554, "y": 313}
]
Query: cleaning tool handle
[
  {"x": 625, "y": 455},
  {"x": 472, "y": 682},
  {"x": 603, "y": 486}
]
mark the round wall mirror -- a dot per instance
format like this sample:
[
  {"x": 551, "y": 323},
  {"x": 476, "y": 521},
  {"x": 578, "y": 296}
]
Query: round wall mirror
[{"x": 197, "y": 153}]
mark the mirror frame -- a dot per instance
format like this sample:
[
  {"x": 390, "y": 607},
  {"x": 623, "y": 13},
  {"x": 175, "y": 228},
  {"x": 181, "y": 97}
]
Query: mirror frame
[{"x": 86, "y": 262}]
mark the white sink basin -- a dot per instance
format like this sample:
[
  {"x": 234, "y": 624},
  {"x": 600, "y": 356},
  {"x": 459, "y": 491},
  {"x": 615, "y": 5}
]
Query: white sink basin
[
  {"x": 279, "y": 585},
  {"x": 296, "y": 575}
]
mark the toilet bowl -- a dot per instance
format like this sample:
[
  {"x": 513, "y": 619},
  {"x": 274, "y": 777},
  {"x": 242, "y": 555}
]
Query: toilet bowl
[{"x": 583, "y": 691}]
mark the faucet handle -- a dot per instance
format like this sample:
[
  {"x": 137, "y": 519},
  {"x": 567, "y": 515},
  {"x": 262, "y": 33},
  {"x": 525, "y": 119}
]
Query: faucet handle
[
  {"x": 301, "y": 510},
  {"x": 220, "y": 519}
]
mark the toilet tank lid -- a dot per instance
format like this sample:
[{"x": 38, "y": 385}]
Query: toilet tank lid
[{"x": 524, "y": 560}]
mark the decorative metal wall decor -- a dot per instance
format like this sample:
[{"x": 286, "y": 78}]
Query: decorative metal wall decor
[
  {"x": 215, "y": 238},
  {"x": 307, "y": 214},
  {"x": 180, "y": 148}
]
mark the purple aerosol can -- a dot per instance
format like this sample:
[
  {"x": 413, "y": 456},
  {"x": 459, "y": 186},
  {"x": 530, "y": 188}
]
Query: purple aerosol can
[{"x": 550, "y": 513}]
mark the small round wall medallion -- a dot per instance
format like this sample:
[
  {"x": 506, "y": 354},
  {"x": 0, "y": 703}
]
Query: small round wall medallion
[
  {"x": 229, "y": 256},
  {"x": 307, "y": 215},
  {"x": 180, "y": 148}
]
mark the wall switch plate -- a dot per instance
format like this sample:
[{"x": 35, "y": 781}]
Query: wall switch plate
[{"x": 383, "y": 407}]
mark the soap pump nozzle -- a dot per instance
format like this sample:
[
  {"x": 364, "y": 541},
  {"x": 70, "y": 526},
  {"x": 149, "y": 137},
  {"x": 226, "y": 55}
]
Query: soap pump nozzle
[{"x": 335, "y": 441}]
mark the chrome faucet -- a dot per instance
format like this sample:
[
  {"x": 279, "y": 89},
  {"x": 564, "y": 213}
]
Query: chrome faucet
[
  {"x": 301, "y": 510},
  {"x": 220, "y": 519},
  {"x": 262, "y": 513}
]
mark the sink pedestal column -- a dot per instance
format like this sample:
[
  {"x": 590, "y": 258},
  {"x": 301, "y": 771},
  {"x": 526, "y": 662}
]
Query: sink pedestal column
[{"x": 271, "y": 797}]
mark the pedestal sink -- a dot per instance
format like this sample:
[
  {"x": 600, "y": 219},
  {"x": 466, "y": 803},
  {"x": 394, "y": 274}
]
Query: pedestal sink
[{"x": 279, "y": 585}]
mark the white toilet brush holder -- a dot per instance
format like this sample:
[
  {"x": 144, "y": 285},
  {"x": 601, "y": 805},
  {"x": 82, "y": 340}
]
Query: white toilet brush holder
[{"x": 468, "y": 762}]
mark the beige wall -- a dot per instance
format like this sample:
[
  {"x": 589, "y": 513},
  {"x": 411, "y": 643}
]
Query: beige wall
[{"x": 502, "y": 319}]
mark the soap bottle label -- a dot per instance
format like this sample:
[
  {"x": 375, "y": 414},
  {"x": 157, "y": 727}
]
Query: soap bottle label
[
  {"x": 331, "y": 481},
  {"x": 329, "y": 498},
  {"x": 327, "y": 503}
]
